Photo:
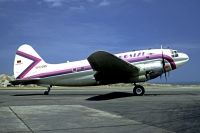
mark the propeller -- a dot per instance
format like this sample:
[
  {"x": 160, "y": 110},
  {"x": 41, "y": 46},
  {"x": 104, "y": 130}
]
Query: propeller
[{"x": 163, "y": 65}]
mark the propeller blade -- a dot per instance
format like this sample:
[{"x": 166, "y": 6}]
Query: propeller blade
[
  {"x": 163, "y": 65},
  {"x": 165, "y": 76}
]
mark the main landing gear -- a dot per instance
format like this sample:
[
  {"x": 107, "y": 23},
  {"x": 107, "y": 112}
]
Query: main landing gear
[
  {"x": 48, "y": 90},
  {"x": 138, "y": 90}
]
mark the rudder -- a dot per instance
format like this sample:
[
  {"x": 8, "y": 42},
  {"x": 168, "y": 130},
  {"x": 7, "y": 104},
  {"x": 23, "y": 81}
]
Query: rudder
[{"x": 26, "y": 59}]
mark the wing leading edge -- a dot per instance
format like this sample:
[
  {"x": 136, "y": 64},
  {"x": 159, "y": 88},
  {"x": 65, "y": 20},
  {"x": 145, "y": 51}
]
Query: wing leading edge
[{"x": 111, "y": 69}]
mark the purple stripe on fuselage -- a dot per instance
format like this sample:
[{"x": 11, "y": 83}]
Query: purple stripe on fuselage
[
  {"x": 55, "y": 73},
  {"x": 28, "y": 69},
  {"x": 86, "y": 68},
  {"x": 43, "y": 75},
  {"x": 156, "y": 56}
]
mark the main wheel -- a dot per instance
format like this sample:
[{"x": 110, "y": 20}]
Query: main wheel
[
  {"x": 138, "y": 90},
  {"x": 46, "y": 93}
]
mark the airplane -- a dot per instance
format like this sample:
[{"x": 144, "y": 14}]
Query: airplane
[{"x": 100, "y": 68}]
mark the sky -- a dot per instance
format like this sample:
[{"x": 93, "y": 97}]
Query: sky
[{"x": 62, "y": 30}]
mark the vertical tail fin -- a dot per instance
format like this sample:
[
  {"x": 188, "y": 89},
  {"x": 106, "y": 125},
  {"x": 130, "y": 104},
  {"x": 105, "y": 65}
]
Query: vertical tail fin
[{"x": 26, "y": 60}]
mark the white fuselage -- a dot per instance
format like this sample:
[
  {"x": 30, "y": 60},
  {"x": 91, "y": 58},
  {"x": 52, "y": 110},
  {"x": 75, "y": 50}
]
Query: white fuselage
[{"x": 80, "y": 73}]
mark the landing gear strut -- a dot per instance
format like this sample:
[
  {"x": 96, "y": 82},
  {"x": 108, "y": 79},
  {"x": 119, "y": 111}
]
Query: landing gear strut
[
  {"x": 48, "y": 90},
  {"x": 138, "y": 90}
]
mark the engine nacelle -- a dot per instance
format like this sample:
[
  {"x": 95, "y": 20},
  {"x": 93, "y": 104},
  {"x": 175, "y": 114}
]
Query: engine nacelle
[
  {"x": 150, "y": 67},
  {"x": 149, "y": 71},
  {"x": 153, "y": 67},
  {"x": 141, "y": 78}
]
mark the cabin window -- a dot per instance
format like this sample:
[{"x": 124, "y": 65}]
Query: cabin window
[
  {"x": 139, "y": 54},
  {"x": 125, "y": 56},
  {"x": 74, "y": 70},
  {"x": 142, "y": 53},
  {"x": 134, "y": 55},
  {"x": 130, "y": 55}
]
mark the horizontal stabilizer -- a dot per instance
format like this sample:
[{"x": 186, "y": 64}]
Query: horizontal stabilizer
[{"x": 24, "y": 82}]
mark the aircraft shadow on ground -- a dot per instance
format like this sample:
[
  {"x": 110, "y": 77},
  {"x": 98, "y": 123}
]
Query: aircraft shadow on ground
[
  {"x": 109, "y": 96},
  {"x": 51, "y": 94},
  {"x": 115, "y": 95},
  {"x": 35, "y": 94}
]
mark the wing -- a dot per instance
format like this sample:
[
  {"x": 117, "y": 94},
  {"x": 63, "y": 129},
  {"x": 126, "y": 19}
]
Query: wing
[{"x": 111, "y": 69}]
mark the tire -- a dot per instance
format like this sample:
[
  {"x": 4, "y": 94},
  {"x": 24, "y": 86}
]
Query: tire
[
  {"x": 46, "y": 93},
  {"x": 138, "y": 90}
]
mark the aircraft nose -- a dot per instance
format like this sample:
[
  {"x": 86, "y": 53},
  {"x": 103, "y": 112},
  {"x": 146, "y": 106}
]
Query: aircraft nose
[{"x": 183, "y": 58}]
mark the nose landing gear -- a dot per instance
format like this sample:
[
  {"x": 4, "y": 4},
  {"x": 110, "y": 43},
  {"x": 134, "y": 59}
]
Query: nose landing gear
[{"x": 138, "y": 90}]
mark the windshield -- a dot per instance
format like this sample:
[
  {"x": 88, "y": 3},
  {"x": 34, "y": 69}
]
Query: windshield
[{"x": 174, "y": 53}]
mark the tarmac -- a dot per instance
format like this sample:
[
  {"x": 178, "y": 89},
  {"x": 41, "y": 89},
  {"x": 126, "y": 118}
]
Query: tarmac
[{"x": 100, "y": 110}]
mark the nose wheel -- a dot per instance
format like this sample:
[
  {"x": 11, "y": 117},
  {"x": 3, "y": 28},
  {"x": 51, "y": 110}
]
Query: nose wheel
[{"x": 138, "y": 90}]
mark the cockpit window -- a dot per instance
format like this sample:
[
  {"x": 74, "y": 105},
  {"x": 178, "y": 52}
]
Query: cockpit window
[{"x": 174, "y": 53}]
